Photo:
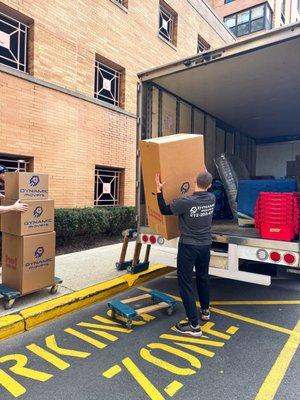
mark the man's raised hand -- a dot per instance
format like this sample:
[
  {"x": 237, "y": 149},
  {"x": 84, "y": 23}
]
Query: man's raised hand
[{"x": 159, "y": 184}]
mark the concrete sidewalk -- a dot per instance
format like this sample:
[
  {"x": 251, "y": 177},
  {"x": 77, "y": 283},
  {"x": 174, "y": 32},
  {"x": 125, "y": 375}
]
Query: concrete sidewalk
[{"x": 87, "y": 268}]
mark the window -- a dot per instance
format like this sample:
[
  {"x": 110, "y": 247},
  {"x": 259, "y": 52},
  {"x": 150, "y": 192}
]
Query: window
[
  {"x": 249, "y": 21},
  {"x": 107, "y": 187},
  {"x": 13, "y": 164},
  {"x": 109, "y": 82},
  {"x": 167, "y": 23},
  {"x": 228, "y": 1},
  {"x": 13, "y": 43},
  {"x": 202, "y": 45}
]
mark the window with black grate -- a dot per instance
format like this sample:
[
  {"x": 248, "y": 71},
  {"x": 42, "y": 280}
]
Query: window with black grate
[
  {"x": 107, "y": 186},
  {"x": 13, "y": 43},
  {"x": 167, "y": 23},
  {"x": 202, "y": 45},
  {"x": 109, "y": 82}
]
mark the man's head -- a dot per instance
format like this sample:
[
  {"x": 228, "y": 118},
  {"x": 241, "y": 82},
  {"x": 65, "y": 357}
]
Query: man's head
[
  {"x": 3, "y": 169},
  {"x": 203, "y": 181}
]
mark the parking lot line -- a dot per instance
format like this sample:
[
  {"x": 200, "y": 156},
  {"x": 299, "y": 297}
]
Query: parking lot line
[
  {"x": 173, "y": 388},
  {"x": 274, "y": 378},
  {"x": 257, "y": 322},
  {"x": 239, "y": 317}
]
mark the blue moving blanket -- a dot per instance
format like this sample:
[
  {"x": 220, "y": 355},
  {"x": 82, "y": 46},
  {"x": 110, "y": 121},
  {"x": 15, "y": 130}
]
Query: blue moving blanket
[{"x": 248, "y": 192}]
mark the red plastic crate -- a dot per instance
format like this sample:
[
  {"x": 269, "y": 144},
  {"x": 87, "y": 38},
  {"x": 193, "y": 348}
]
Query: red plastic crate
[
  {"x": 277, "y": 215},
  {"x": 277, "y": 232}
]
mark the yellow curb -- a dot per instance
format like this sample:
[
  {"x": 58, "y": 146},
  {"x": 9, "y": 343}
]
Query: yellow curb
[
  {"x": 36, "y": 315},
  {"x": 33, "y": 316},
  {"x": 151, "y": 273},
  {"x": 11, "y": 325}
]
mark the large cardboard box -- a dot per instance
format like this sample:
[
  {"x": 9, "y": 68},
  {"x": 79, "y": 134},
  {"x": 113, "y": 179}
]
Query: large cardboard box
[
  {"x": 39, "y": 218},
  {"x": 28, "y": 261},
  {"x": 178, "y": 159},
  {"x": 26, "y": 186}
]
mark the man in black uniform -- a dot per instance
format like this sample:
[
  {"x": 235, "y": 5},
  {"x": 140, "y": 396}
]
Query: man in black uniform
[{"x": 195, "y": 214}]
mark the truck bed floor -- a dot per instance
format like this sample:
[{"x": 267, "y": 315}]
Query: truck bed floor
[{"x": 231, "y": 228}]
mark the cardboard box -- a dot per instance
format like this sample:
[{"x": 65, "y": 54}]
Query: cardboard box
[
  {"x": 39, "y": 218},
  {"x": 26, "y": 186},
  {"x": 178, "y": 159},
  {"x": 28, "y": 262}
]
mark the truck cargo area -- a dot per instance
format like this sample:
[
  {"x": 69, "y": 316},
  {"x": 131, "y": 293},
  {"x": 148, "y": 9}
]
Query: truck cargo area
[{"x": 245, "y": 99}]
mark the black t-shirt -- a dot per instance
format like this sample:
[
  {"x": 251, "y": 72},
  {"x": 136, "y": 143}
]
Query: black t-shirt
[{"x": 195, "y": 213}]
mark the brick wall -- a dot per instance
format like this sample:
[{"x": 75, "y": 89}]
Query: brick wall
[
  {"x": 68, "y": 34},
  {"x": 66, "y": 135}
]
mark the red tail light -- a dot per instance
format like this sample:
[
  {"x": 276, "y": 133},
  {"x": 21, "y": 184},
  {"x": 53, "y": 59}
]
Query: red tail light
[
  {"x": 145, "y": 238},
  {"x": 152, "y": 239},
  {"x": 275, "y": 256},
  {"x": 289, "y": 258}
]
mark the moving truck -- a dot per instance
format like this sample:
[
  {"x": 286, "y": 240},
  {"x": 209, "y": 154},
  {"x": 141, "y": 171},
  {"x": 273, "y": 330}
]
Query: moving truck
[{"x": 245, "y": 99}]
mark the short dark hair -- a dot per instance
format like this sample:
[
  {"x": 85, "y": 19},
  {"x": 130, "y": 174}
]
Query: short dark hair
[{"x": 204, "y": 180}]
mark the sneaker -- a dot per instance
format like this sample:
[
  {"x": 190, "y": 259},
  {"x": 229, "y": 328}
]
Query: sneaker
[
  {"x": 188, "y": 329},
  {"x": 205, "y": 314}
]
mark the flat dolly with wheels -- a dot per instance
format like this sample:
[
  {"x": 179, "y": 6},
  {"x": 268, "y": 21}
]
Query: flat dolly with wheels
[
  {"x": 10, "y": 295},
  {"x": 123, "y": 309}
]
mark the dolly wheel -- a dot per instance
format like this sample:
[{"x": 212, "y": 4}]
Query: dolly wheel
[
  {"x": 54, "y": 289},
  {"x": 128, "y": 324},
  {"x": 8, "y": 303},
  {"x": 113, "y": 314},
  {"x": 170, "y": 310}
]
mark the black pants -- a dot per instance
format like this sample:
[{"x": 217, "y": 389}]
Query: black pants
[{"x": 188, "y": 257}]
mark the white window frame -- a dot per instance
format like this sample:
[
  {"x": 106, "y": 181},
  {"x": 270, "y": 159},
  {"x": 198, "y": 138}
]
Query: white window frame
[
  {"x": 108, "y": 75},
  {"x": 19, "y": 29},
  {"x": 170, "y": 19},
  {"x": 202, "y": 45},
  {"x": 111, "y": 177}
]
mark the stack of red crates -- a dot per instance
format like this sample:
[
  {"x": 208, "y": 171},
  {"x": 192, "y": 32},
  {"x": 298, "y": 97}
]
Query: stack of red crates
[{"x": 277, "y": 215}]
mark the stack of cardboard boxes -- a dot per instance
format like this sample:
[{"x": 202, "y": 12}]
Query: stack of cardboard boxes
[{"x": 28, "y": 239}]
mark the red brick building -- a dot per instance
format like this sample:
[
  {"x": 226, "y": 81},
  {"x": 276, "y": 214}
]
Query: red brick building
[{"x": 68, "y": 76}]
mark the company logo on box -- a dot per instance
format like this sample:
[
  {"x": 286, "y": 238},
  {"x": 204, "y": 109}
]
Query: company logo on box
[
  {"x": 38, "y": 211},
  {"x": 39, "y": 252},
  {"x": 34, "y": 180},
  {"x": 38, "y": 223},
  {"x": 185, "y": 187},
  {"x": 33, "y": 190},
  {"x": 39, "y": 262}
]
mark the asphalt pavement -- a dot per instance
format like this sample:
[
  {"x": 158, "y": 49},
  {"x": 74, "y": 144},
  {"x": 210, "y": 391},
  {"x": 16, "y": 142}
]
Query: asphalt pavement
[{"x": 249, "y": 351}]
